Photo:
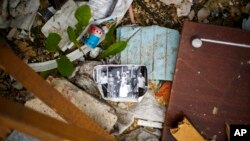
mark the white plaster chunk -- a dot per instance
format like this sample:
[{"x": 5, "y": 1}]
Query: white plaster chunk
[
  {"x": 37, "y": 105},
  {"x": 101, "y": 113},
  {"x": 149, "y": 109}
]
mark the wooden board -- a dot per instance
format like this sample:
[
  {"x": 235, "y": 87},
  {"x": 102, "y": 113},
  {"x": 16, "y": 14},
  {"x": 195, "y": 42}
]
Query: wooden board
[
  {"x": 213, "y": 77},
  {"x": 16, "y": 116},
  {"x": 14, "y": 66}
]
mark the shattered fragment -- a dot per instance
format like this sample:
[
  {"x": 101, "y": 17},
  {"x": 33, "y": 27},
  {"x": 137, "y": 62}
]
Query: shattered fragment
[
  {"x": 186, "y": 131},
  {"x": 100, "y": 112}
]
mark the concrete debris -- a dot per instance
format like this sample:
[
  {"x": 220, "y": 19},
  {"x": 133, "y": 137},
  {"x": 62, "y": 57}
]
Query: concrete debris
[
  {"x": 141, "y": 134},
  {"x": 102, "y": 8},
  {"x": 23, "y": 13},
  {"x": 83, "y": 77},
  {"x": 149, "y": 109},
  {"x": 101, "y": 113},
  {"x": 191, "y": 15},
  {"x": 86, "y": 83},
  {"x": 125, "y": 120},
  {"x": 37, "y": 105},
  {"x": 202, "y": 14},
  {"x": 184, "y": 8}
]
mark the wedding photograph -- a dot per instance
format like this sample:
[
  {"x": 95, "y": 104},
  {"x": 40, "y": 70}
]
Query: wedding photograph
[{"x": 121, "y": 82}]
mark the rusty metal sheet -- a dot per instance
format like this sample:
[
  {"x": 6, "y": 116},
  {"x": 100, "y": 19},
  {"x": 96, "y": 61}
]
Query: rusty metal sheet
[
  {"x": 153, "y": 46},
  {"x": 212, "y": 83}
]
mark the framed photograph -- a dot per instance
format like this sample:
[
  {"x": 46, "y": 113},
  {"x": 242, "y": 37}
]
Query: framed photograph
[{"x": 124, "y": 83}]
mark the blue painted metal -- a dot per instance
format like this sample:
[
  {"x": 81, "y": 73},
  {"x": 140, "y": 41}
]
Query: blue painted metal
[{"x": 154, "y": 46}]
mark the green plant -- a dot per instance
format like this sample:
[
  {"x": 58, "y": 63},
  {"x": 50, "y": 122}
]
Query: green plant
[
  {"x": 64, "y": 66},
  {"x": 114, "y": 49},
  {"x": 52, "y": 42},
  {"x": 109, "y": 37},
  {"x": 82, "y": 15},
  {"x": 72, "y": 37}
]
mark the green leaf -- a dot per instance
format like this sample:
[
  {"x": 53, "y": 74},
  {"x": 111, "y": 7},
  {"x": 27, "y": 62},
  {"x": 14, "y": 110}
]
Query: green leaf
[
  {"x": 114, "y": 49},
  {"x": 109, "y": 36},
  {"x": 83, "y": 15},
  {"x": 64, "y": 66},
  {"x": 52, "y": 42},
  {"x": 71, "y": 34},
  {"x": 79, "y": 28},
  {"x": 45, "y": 74}
]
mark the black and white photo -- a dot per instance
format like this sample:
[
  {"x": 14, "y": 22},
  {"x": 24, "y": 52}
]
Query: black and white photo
[{"x": 121, "y": 82}]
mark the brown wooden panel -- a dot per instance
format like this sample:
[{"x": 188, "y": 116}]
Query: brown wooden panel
[
  {"x": 40, "y": 88},
  {"x": 17, "y": 116},
  {"x": 211, "y": 76},
  {"x": 4, "y": 131}
]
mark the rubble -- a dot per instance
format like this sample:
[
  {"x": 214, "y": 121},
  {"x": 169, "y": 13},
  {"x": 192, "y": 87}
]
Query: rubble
[
  {"x": 149, "y": 109},
  {"x": 95, "y": 109},
  {"x": 22, "y": 12},
  {"x": 203, "y": 14},
  {"x": 141, "y": 134},
  {"x": 184, "y": 8},
  {"x": 38, "y": 105},
  {"x": 83, "y": 77},
  {"x": 101, "y": 113}
]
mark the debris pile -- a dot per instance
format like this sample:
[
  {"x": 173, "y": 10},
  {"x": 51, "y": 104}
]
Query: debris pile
[{"x": 113, "y": 59}]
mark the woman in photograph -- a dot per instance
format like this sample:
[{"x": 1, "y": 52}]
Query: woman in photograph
[
  {"x": 111, "y": 85},
  {"x": 124, "y": 86}
]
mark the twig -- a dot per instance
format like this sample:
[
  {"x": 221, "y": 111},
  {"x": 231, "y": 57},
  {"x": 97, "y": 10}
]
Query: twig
[{"x": 131, "y": 15}]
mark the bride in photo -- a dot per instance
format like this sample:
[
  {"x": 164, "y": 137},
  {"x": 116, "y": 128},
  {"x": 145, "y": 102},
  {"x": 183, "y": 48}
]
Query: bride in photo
[{"x": 124, "y": 86}]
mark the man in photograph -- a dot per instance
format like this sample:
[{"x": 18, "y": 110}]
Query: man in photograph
[
  {"x": 134, "y": 83},
  {"x": 117, "y": 83},
  {"x": 141, "y": 84},
  {"x": 104, "y": 83}
]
